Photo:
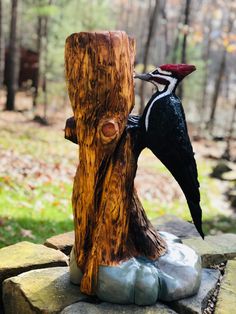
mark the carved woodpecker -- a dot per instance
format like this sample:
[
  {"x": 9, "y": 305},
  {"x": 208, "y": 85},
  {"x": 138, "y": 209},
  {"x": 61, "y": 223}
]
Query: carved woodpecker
[{"x": 163, "y": 129}]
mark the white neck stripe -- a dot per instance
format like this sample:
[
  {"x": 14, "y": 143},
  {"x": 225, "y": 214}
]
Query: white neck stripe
[{"x": 170, "y": 88}]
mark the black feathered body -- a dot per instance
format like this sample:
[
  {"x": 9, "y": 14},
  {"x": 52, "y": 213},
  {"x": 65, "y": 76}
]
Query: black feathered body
[{"x": 165, "y": 134}]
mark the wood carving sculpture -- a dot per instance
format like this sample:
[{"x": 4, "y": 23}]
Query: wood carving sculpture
[{"x": 111, "y": 227}]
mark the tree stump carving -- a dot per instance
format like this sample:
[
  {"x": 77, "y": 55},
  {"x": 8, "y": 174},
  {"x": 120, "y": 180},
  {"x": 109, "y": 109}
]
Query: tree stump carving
[{"x": 110, "y": 222}]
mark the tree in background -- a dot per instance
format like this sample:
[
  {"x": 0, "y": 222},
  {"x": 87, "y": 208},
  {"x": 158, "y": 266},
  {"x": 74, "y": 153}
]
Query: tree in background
[
  {"x": 44, "y": 12},
  {"x": 38, "y": 50},
  {"x": 220, "y": 74},
  {"x": 175, "y": 46},
  {"x": 184, "y": 43},
  {"x": 163, "y": 33},
  {"x": 227, "y": 153},
  {"x": 2, "y": 46},
  {"x": 13, "y": 58},
  {"x": 45, "y": 24},
  {"x": 56, "y": 21},
  {"x": 166, "y": 31},
  {"x": 206, "y": 59},
  {"x": 151, "y": 28}
]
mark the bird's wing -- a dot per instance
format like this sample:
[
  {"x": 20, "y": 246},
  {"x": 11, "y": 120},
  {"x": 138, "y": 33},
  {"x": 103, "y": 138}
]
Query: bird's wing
[
  {"x": 133, "y": 121},
  {"x": 169, "y": 140},
  {"x": 133, "y": 128}
]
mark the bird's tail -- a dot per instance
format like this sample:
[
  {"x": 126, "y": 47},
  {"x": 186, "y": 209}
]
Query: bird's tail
[{"x": 196, "y": 213}]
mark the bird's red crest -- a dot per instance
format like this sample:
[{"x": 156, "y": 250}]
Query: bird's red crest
[{"x": 178, "y": 70}]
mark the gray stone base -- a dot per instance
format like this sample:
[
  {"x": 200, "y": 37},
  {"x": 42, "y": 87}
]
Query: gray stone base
[
  {"x": 197, "y": 303},
  {"x": 175, "y": 275}
]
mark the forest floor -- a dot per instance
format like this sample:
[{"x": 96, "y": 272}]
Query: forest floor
[{"x": 37, "y": 166}]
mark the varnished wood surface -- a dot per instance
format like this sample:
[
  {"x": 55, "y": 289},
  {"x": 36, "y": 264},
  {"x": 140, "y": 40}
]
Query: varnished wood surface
[{"x": 110, "y": 223}]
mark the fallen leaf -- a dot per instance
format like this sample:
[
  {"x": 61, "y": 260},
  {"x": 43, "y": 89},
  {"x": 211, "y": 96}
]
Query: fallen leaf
[{"x": 26, "y": 233}]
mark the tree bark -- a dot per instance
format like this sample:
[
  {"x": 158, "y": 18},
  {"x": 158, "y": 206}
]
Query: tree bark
[
  {"x": 205, "y": 57},
  {"x": 186, "y": 24},
  {"x": 39, "y": 51},
  {"x": 45, "y": 81},
  {"x": 217, "y": 86},
  {"x": 2, "y": 46},
  {"x": 227, "y": 152},
  {"x": 175, "y": 47},
  {"x": 44, "y": 74},
  {"x": 218, "y": 81},
  {"x": 12, "y": 81},
  {"x": 151, "y": 28},
  {"x": 184, "y": 43},
  {"x": 165, "y": 18},
  {"x": 110, "y": 222},
  {"x": 42, "y": 50}
]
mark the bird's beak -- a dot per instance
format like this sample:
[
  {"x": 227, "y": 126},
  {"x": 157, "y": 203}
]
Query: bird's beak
[{"x": 144, "y": 77}]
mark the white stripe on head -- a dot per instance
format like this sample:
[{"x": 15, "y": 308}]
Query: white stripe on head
[
  {"x": 163, "y": 72},
  {"x": 169, "y": 90}
]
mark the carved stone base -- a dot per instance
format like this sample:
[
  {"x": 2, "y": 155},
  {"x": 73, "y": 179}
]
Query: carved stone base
[{"x": 175, "y": 275}]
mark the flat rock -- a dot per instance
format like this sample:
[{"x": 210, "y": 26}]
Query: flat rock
[
  {"x": 221, "y": 168},
  {"x": 40, "y": 291},
  {"x": 176, "y": 226},
  {"x": 62, "y": 242},
  {"x": 23, "y": 256},
  {"x": 197, "y": 303},
  {"x": 226, "y": 302},
  {"x": 109, "y": 308},
  {"x": 214, "y": 249},
  {"x": 229, "y": 176},
  {"x": 166, "y": 223}
]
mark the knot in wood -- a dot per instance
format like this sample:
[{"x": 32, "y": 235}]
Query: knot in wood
[{"x": 110, "y": 128}]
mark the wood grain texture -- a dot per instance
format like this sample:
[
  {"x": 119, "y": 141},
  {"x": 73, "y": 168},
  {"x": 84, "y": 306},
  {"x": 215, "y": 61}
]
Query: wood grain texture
[{"x": 110, "y": 223}]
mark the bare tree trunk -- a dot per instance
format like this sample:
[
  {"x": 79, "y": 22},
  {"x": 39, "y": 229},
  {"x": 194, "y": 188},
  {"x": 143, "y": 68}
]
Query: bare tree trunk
[
  {"x": 205, "y": 57},
  {"x": 2, "y": 46},
  {"x": 144, "y": 25},
  {"x": 175, "y": 48},
  {"x": 129, "y": 11},
  {"x": 218, "y": 81},
  {"x": 176, "y": 41},
  {"x": 12, "y": 81},
  {"x": 184, "y": 43},
  {"x": 39, "y": 52},
  {"x": 227, "y": 86},
  {"x": 186, "y": 24},
  {"x": 42, "y": 49},
  {"x": 227, "y": 152},
  {"x": 110, "y": 222},
  {"x": 45, "y": 91},
  {"x": 152, "y": 24},
  {"x": 164, "y": 15},
  {"x": 220, "y": 74}
]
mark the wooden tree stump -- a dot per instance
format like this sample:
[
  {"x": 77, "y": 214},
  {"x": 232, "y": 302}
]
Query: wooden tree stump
[{"x": 110, "y": 222}]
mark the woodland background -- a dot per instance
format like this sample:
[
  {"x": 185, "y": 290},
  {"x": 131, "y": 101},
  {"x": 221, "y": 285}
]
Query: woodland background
[{"x": 37, "y": 165}]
